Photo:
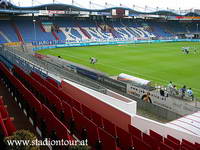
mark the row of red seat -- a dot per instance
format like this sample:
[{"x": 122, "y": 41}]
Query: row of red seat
[
  {"x": 152, "y": 141},
  {"x": 42, "y": 111},
  {"x": 6, "y": 125},
  {"x": 101, "y": 129},
  {"x": 70, "y": 104},
  {"x": 158, "y": 142},
  {"x": 94, "y": 123},
  {"x": 49, "y": 99},
  {"x": 67, "y": 107}
]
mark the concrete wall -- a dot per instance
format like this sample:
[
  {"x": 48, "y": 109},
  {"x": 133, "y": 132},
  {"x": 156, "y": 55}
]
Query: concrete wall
[
  {"x": 145, "y": 125},
  {"x": 117, "y": 111}
]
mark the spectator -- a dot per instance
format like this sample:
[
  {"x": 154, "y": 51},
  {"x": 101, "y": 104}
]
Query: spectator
[
  {"x": 183, "y": 90},
  {"x": 175, "y": 91},
  {"x": 162, "y": 92},
  {"x": 146, "y": 97},
  {"x": 190, "y": 93},
  {"x": 170, "y": 85}
]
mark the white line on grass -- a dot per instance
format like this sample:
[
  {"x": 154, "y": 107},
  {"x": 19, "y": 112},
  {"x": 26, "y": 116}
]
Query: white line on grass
[{"x": 131, "y": 72}]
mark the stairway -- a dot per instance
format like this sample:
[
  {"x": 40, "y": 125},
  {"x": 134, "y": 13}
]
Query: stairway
[
  {"x": 68, "y": 34},
  {"x": 98, "y": 26},
  {"x": 20, "y": 38},
  {"x": 55, "y": 35},
  {"x": 5, "y": 37},
  {"x": 84, "y": 32},
  {"x": 42, "y": 27},
  {"x": 113, "y": 33}
]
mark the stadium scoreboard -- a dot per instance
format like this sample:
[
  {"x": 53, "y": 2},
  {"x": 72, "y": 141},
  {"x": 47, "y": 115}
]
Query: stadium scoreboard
[{"x": 120, "y": 12}]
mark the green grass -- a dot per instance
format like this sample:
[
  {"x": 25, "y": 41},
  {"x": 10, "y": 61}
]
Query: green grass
[{"x": 158, "y": 62}]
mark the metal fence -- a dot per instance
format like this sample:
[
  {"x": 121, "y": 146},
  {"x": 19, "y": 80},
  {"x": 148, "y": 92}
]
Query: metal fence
[
  {"x": 30, "y": 63},
  {"x": 158, "y": 111},
  {"x": 155, "y": 110}
]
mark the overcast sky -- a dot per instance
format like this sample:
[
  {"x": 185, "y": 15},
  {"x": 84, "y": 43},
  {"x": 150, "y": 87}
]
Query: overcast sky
[{"x": 162, "y": 4}]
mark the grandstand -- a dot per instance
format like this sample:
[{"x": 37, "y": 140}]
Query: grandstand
[
  {"x": 68, "y": 30},
  {"x": 63, "y": 100}
]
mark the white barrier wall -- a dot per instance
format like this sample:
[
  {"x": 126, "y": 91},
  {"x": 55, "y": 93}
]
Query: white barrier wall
[
  {"x": 145, "y": 125},
  {"x": 189, "y": 124},
  {"x": 118, "y": 96},
  {"x": 121, "y": 112},
  {"x": 117, "y": 111}
]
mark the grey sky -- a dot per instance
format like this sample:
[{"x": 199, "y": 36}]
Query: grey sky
[{"x": 138, "y": 4}]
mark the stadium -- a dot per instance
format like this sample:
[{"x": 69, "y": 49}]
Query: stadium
[{"x": 109, "y": 78}]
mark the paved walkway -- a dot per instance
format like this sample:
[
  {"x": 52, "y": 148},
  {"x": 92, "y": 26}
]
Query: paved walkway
[{"x": 20, "y": 120}]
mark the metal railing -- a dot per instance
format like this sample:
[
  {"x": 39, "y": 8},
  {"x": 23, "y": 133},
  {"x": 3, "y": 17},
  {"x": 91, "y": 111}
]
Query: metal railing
[{"x": 31, "y": 63}]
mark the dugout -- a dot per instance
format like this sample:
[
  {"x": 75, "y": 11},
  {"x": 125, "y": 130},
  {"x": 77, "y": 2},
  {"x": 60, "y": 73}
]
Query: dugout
[{"x": 132, "y": 79}]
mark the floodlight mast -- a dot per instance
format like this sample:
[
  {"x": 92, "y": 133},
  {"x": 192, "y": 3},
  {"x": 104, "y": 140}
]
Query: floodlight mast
[{"x": 34, "y": 28}]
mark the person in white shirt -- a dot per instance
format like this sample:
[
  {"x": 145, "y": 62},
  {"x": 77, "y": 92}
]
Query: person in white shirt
[
  {"x": 170, "y": 87},
  {"x": 93, "y": 60},
  {"x": 190, "y": 93},
  {"x": 185, "y": 50}
]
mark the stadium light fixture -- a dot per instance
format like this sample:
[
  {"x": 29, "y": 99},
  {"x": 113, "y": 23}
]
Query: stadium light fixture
[{"x": 34, "y": 28}]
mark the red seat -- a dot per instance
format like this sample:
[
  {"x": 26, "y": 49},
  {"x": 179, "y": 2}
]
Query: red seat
[
  {"x": 156, "y": 136},
  {"x": 125, "y": 141},
  {"x": 184, "y": 148},
  {"x": 36, "y": 85},
  {"x": 108, "y": 142},
  {"x": 37, "y": 77},
  {"x": 151, "y": 141},
  {"x": 48, "y": 116},
  {"x": 171, "y": 144},
  {"x": 53, "y": 123},
  {"x": 173, "y": 139},
  {"x": 68, "y": 99},
  {"x": 36, "y": 104},
  {"x": 3, "y": 128},
  {"x": 29, "y": 97},
  {"x": 79, "y": 120},
  {"x": 67, "y": 113},
  {"x": 3, "y": 111},
  {"x": 97, "y": 119},
  {"x": 52, "y": 81},
  {"x": 91, "y": 128},
  {"x": 138, "y": 144},
  {"x": 52, "y": 99},
  {"x": 165, "y": 147},
  {"x": 197, "y": 146},
  {"x": 77, "y": 105},
  {"x": 109, "y": 127},
  {"x": 1, "y": 100},
  {"x": 187, "y": 144},
  {"x": 134, "y": 131},
  {"x": 61, "y": 130},
  {"x": 86, "y": 111},
  {"x": 9, "y": 126},
  {"x": 47, "y": 83}
]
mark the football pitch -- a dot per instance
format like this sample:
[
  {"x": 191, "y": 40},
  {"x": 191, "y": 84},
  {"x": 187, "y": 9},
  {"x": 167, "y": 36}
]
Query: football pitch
[{"x": 158, "y": 62}]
